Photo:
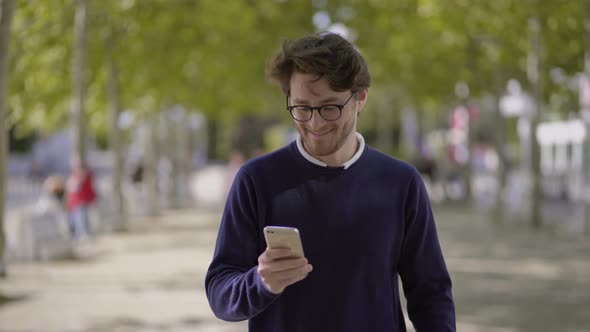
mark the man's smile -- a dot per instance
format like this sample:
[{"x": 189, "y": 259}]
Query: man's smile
[{"x": 321, "y": 133}]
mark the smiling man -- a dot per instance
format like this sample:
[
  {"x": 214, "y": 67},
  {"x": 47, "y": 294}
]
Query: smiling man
[
  {"x": 364, "y": 217},
  {"x": 331, "y": 135}
]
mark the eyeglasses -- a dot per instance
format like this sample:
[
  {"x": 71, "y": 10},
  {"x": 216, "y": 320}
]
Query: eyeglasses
[{"x": 329, "y": 112}]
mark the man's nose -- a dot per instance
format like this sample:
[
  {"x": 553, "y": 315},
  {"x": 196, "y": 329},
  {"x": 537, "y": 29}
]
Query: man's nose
[{"x": 316, "y": 120}]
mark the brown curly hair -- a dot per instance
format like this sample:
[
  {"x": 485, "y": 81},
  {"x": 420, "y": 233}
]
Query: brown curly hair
[{"x": 327, "y": 55}]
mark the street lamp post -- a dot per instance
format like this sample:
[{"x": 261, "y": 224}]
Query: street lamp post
[{"x": 517, "y": 103}]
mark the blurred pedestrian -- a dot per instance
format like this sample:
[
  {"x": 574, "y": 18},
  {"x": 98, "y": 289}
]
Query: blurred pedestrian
[
  {"x": 52, "y": 198},
  {"x": 364, "y": 217},
  {"x": 80, "y": 196},
  {"x": 137, "y": 173}
]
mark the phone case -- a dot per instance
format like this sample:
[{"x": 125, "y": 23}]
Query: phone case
[{"x": 284, "y": 237}]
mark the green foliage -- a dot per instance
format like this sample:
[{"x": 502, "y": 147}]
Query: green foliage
[
  {"x": 210, "y": 55},
  {"x": 42, "y": 34}
]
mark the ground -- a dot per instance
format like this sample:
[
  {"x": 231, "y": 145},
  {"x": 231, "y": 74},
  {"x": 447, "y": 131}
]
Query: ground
[{"x": 506, "y": 278}]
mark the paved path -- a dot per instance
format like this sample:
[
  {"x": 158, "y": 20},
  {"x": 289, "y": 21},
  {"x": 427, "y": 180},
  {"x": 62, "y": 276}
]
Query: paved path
[
  {"x": 150, "y": 279},
  {"x": 507, "y": 279}
]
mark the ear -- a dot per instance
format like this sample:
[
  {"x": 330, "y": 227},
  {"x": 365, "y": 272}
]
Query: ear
[{"x": 361, "y": 99}]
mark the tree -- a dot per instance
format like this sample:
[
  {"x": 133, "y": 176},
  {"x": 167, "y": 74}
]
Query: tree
[
  {"x": 585, "y": 109},
  {"x": 116, "y": 142},
  {"x": 534, "y": 74},
  {"x": 194, "y": 54},
  {"x": 41, "y": 46},
  {"x": 78, "y": 79},
  {"x": 6, "y": 9}
]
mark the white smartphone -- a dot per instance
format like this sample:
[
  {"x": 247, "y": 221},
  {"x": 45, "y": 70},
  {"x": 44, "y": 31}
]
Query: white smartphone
[{"x": 284, "y": 237}]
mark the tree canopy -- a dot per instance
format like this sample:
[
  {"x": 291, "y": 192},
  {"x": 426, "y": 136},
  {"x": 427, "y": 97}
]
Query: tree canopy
[{"x": 210, "y": 55}]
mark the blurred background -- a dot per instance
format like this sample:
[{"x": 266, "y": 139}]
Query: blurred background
[{"x": 165, "y": 99}]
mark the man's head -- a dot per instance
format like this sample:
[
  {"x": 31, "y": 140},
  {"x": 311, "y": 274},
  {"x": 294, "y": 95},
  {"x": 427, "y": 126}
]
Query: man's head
[
  {"x": 323, "y": 75},
  {"x": 326, "y": 55}
]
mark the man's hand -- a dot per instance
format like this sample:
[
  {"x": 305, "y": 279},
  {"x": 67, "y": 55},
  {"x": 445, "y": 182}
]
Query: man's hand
[{"x": 278, "y": 269}]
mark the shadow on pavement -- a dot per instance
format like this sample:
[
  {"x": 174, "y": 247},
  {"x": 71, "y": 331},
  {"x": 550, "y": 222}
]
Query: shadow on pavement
[
  {"x": 514, "y": 278},
  {"x": 132, "y": 324},
  {"x": 10, "y": 299}
]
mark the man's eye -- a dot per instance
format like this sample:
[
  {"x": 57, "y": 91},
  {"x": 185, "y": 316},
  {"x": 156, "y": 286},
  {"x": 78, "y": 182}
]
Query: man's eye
[{"x": 330, "y": 108}]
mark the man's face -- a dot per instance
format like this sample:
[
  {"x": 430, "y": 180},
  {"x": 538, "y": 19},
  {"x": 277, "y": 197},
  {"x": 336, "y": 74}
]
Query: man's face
[{"x": 322, "y": 138}]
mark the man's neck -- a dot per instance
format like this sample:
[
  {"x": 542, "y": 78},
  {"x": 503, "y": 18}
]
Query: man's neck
[{"x": 344, "y": 154}]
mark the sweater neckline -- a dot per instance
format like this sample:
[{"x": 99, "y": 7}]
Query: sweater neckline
[{"x": 346, "y": 165}]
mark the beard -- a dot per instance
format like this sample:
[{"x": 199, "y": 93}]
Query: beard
[{"x": 328, "y": 144}]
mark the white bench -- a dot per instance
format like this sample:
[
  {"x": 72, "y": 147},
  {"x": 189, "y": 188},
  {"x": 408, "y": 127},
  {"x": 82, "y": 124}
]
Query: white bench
[{"x": 40, "y": 236}]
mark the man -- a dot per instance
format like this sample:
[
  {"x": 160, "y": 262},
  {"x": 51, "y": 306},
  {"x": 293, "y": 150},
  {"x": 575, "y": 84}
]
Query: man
[{"x": 364, "y": 217}]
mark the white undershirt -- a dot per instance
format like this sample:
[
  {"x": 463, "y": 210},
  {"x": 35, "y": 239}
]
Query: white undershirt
[{"x": 318, "y": 162}]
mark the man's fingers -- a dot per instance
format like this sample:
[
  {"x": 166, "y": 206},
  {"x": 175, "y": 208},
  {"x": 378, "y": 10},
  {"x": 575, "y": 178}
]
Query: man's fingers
[
  {"x": 277, "y": 253},
  {"x": 276, "y": 282},
  {"x": 288, "y": 264},
  {"x": 298, "y": 277},
  {"x": 287, "y": 275},
  {"x": 270, "y": 255},
  {"x": 278, "y": 269},
  {"x": 275, "y": 267}
]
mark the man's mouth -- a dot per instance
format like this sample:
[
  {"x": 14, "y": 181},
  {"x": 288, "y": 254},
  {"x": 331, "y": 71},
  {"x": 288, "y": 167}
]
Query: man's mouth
[{"x": 320, "y": 133}]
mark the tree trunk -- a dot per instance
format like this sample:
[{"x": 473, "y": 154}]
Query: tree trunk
[
  {"x": 78, "y": 79},
  {"x": 151, "y": 169},
  {"x": 183, "y": 159},
  {"x": 535, "y": 81},
  {"x": 471, "y": 58},
  {"x": 213, "y": 138},
  {"x": 468, "y": 167},
  {"x": 172, "y": 124},
  {"x": 500, "y": 141},
  {"x": 500, "y": 146},
  {"x": 6, "y": 9},
  {"x": 385, "y": 125},
  {"x": 585, "y": 109},
  {"x": 119, "y": 221}
]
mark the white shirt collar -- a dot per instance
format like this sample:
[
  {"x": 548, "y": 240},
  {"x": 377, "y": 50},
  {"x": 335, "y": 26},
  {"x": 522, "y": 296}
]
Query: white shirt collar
[{"x": 318, "y": 162}]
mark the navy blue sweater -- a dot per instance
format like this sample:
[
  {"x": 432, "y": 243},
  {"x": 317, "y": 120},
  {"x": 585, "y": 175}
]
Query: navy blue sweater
[{"x": 361, "y": 227}]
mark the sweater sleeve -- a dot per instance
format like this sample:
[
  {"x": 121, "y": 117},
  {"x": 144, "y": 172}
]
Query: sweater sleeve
[
  {"x": 426, "y": 281},
  {"x": 234, "y": 289}
]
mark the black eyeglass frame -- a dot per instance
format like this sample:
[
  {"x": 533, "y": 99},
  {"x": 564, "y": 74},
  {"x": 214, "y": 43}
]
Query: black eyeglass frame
[{"x": 318, "y": 108}]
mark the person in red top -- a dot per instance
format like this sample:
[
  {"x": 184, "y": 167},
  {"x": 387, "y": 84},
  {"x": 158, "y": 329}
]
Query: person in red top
[{"x": 80, "y": 195}]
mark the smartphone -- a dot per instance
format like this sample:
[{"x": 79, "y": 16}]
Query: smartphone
[{"x": 284, "y": 237}]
